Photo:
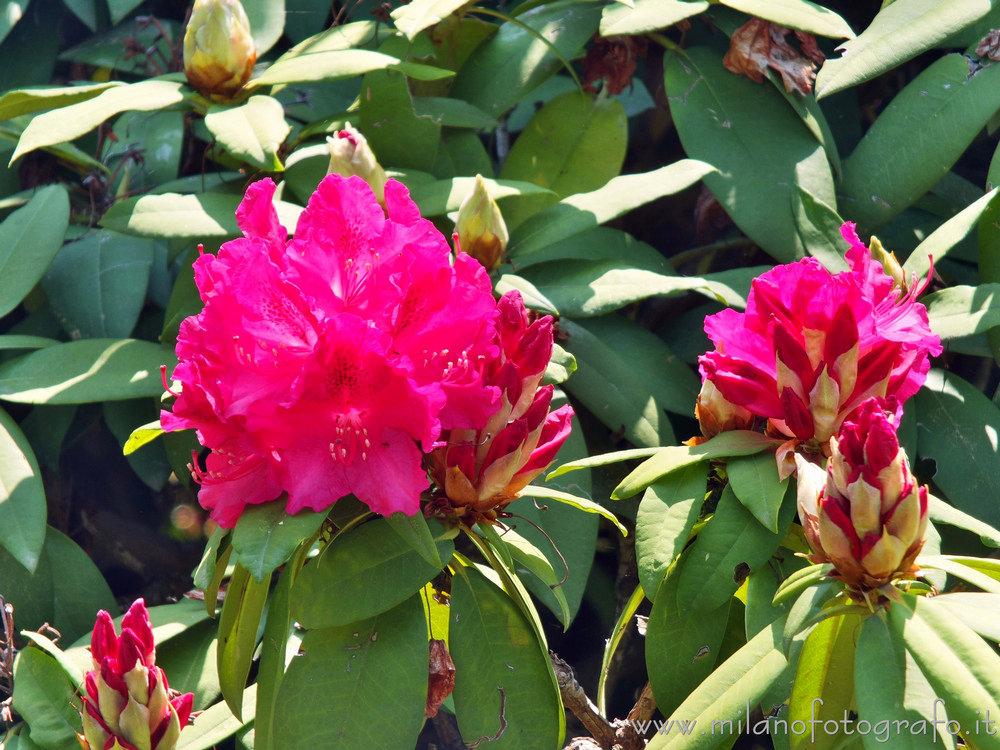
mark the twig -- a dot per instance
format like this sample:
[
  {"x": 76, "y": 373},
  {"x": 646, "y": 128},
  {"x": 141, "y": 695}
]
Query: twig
[{"x": 576, "y": 700}]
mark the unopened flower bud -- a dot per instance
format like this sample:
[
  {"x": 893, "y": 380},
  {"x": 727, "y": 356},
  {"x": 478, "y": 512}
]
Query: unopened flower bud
[
  {"x": 351, "y": 155},
  {"x": 715, "y": 414},
  {"x": 889, "y": 263},
  {"x": 482, "y": 232},
  {"x": 870, "y": 518},
  {"x": 219, "y": 51}
]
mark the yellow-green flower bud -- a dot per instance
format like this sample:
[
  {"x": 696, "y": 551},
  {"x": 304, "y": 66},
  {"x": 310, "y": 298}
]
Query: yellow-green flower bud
[
  {"x": 351, "y": 155},
  {"x": 219, "y": 51},
  {"x": 482, "y": 232}
]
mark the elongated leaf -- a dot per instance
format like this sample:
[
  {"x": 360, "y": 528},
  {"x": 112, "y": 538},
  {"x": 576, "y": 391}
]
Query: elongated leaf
[
  {"x": 489, "y": 81},
  {"x": 958, "y": 428},
  {"x": 722, "y": 699},
  {"x": 819, "y": 227},
  {"x": 955, "y": 567},
  {"x": 963, "y": 310},
  {"x": 504, "y": 686},
  {"x": 175, "y": 216},
  {"x": 979, "y": 611},
  {"x": 238, "y": 624},
  {"x": 581, "y": 212},
  {"x": 604, "y": 459},
  {"x": 755, "y": 139},
  {"x": 266, "y": 536},
  {"x": 44, "y": 698},
  {"x": 14, "y": 341},
  {"x": 949, "y": 235},
  {"x": 29, "y": 240},
  {"x": 582, "y": 503},
  {"x": 395, "y": 132},
  {"x": 919, "y": 137},
  {"x": 666, "y": 516},
  {"x": 216, "y": 724},
  {"x": 83, "y": 371},
  {"x": 529, "y": 556},
  {"x": 627, "y": 376},
  {"x": 453, "y": 113},
  {"x": 337, "y": 690},
  {"x": 24, "y": 101},
  {"x": 672, "y": 458},
  {"x": 901, "y": 30},
  {"x": 415, "y": 531},
  {"x": 267, "y": 21},
  {"x": 273, "y": 660},
  {"x": 333, "y": 65},
  {"x": 252, "y": 132},
  {"x": 363, "y": 572},
  {"x": 22, "y": 496},
  {"x": 68, "y": 123},
  {"x": 796, "y": 14},
  {"x": 414, "y": 17},
  {"x": 141, "y": 436},
  {"x": 940, "y": 512},
  {"x": 191, "y": 663},
  {"x": 755, "y": 481},
  {"x": 439, "y": 197},
  {"x": 647, "y": 15}
]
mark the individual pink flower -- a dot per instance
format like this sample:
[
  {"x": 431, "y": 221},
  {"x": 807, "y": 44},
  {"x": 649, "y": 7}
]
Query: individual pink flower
[
  {"x": 320, "y": 366},
  {"x": 127, "y": 703},
  {"x": 479, "y": 471},
  {"x": 812, "y": 346},
  {"x": 865, "y": 513}
]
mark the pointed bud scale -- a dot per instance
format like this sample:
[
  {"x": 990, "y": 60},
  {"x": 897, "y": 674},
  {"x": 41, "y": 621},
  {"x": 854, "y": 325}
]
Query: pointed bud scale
[
  {"x": 350, "y": 154},
  {"x": 104, "y": 640},
  {"x": 482, "y": 232},
  {"x": 219, "y": 51}
]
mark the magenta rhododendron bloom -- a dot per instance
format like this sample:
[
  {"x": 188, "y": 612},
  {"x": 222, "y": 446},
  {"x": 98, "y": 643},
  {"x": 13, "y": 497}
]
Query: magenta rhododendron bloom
[
  {"x": 127, "y": 704},
  {"x": 479, "y": 471},
  {"x": 812, "y": 346},
  {"x": 865, "y": 513},
  {"x": 321, "y": 366}
]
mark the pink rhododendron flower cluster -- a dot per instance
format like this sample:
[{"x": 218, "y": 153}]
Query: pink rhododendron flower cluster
[
  {"x": 329, "y": 364},
  {"x": 812, "y": 346}
]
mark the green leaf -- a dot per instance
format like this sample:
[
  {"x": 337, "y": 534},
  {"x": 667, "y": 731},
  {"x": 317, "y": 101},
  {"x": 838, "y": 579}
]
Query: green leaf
[
  {"x": 627, "y": 376},
  {"x": 252, "y": 132},
  {"x": 238, "y": 625},
  {"x": 818, "y": 226},
  {"x": 721, "y": 700},
  {"x": 949, "y": 235},
  {"x": 22, "y": 496},
  {"x": 796, "y": 14},
  {"x": 414, "y": 17},
  {"x": 682, "y": 647},
  {"x": 502, "y": 677},
  {"x": 979, "y": 611},
  {"x": 824, "y": 681},
  {"x": 755, "y": 482},
  {"x": 584, "y": 211},
  {"x": 332, "y": 65},
  {"x": 25, "y": 101},
  {"x": 731, "y": 544},
  {"x": 647, "y": 15},
  {"x": 666, "y": 516},
  {"x": 439, "y": 197},
  {"x": 142, "y": 436},
  {"x": 603, "y": 459},
  {"x": 915, "y": 140},
  {"x": 955, "y": 566},
  {"x": 338, "y": 689},
  {"x": 14, "y": 341},
  {"x": 190, "y": 663},
  {"x": 453, "y": 113},
  {"x": 173, "y": 215},
  {"x": 624, "y": 622},
  {"x": 584, "y": 504},
  {"x": 576, "y": 143},
  {"x": 489, "y": 81},
  {"x": 672, "y": 458},
  {"x": 414, "y": 530},
  {"x": 266, "y": 536},
  {"x": 394, "y": 131},
  {"x": 274, "y": 657},
  {"x": 533, "y": 559},
  {"x": 267, "y": 22},
  {"x": 958, "y": 428},
  {"x": 963, "y": 310},
  {"x": 216, "y": 724},
  {"x": 800, "y": 580},
  {"x": 29, "y": 239},
  {"x": 96, "y": 285},
  {"x": 363, "y": 572},
  {"x": 760, "y": 146},
  {"x": 68, "y": 123},
  {"x": 901, "y": 31},
  {"x": 44, "y": 697},
  {"x": 762, "y": 585},
  {"x": 84, "y": 371},
  {"x": 940, "y": 512}
]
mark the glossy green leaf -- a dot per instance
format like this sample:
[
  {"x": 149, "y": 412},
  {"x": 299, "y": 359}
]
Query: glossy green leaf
[
  {"x": 627, "y": 376},
  {"x": 265, "y": 535},
  {"x": 584, "y": 504},
  {"x": 252, "y": 132},
  {"x": 647, "y": 15},
  {"x": 682, "y": 646},
  {"x": 796, "y": 14},
  {"x": 44, "y": 697},
  {"x": 762, "y": 585},
  {"x": 724, "y": 696},
  {"x": 901, "y": 30},
  {"x": 672, "y": 458},
  {"x": 439, "y": 197},
  {"x": 824, "y": 681},
  {"x": 84, "y": 371},
  {"x": 584, "y": 211},
  {"x": 415, "y": 531},
  {"x": 958, "y": 429},
  {"x": 338, "y": 689},
  {"x": 174, "y": 215},
  {"x": 25, "y": 101},
  {"x": 66, "y": 590},
  {"x": 755, "y": 482},
  {"x": 190, "y": 663},
  {"x": 26, "y": 342},
  {"x": 576, "y": 143},
  {"x": 941, "y": 512},
  {"x": 624, "y": 622},
  {"x": 666, "y": 516},
  {"x": 800, "y": 580},
  {"x": 97, "y": 285},
  {"x": 364, "y": 572},
  {"x": 394, "y": 131},
  {"x": 759, "y": 145},
  {"x": 453, "y": 113},
  {"x": 603, "y": 459},
  {"x": 216, "y": 724},
  {"x": 142, "y": 436},
  {"x": 949, "y": 235},
  {"x": 965, "y": 569},
  {"x": 928, "y": 126},
  {"x": 274, "y": 657},
  {"x": 601, "y": 243},
  {"x": 527, "y": 556},
  {"x": 818, "y": 226},
  {"x": 979, "y": 611},
  {"x": 333, "y": 65},
  {"x": 267, "y": 22},
  {"x": 418, "y": 15},
  {"x": 238, "y": 625},
  {"x": 504, "y": 686},
  {"x": 29, "y": 240},
  {"x": 731, "y": 544},
  {"x": 22, "y": 496},
  {"x": 489, "y": 81},
  {"x": 962, "y": 310},
  {"x": 69, "y": 123}
]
